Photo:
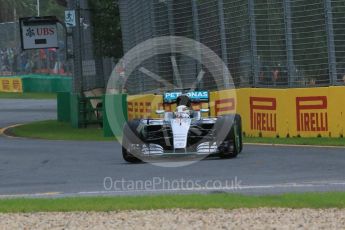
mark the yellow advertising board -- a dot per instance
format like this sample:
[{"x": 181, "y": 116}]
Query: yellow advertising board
[
  {"x": 336, "y": 111},
  {"x": 309, "y": 112},
  {"x": 140, "y": 106},
  {"x": 223, "y": 102},
  {"x": 11, "y": 85},
  {"x": 263, "y": 112},
  {"x": 305, "y": 112}
]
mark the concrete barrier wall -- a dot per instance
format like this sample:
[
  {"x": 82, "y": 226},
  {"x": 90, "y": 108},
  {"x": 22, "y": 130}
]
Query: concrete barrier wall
[
  {"x": 44, "y": 84},
  {"x": 305, "y": 112},
  {"x": 36, "y": 84}
]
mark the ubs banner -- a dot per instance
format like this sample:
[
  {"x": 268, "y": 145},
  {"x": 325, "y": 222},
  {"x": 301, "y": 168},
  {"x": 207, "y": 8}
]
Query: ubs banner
[{"x": 305, "y": 112}]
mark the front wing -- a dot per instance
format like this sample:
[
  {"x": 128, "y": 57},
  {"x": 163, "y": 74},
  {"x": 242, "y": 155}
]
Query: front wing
[{"x": 157, "y": 140}]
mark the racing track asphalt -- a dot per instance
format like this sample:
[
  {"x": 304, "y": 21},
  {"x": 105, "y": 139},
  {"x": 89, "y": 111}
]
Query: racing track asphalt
[{"x": 63, "y": 168}]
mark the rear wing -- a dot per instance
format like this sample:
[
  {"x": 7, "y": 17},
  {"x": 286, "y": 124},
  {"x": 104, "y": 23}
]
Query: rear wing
[{"x": 195, "y": 96}]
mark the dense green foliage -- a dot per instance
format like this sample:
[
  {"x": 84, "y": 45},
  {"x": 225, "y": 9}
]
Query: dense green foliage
[
  {"x": 107, "y": 29},
  {"x": 11, "y": 10},
  {"x": 50, "y": 7}
]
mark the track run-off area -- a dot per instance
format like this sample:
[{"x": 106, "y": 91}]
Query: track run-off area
[{"x": 32, "y": 167}]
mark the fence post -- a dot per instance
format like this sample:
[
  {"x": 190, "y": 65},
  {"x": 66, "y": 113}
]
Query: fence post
[
  {"x": 154, "y": 64},
  {"x": 332, "y": 62},
  {"x": 172, "y": 33},
  {"x": 77, "y": 57},
  {"x": 289, "y": 43},
  {"x": 254, "y": 51},
  {"x": 196, "y": 32},
  {"x": 171, "y": 19},
  {"x": 223, "y": 41}
]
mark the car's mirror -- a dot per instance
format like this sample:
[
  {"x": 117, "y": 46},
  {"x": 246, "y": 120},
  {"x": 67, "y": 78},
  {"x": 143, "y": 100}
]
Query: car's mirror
[
  {"x": 160, "y": 112},
  {"x": 204, "y": 110}
]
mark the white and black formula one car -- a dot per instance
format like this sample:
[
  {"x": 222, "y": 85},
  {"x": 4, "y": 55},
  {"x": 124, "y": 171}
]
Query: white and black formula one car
[{"x": 184, "y": 133}]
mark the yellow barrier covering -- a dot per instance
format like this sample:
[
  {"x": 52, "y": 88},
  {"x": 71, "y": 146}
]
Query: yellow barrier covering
[
  {"x": 223, "y": 102},
  {"x": 309, "y": 112},
  {"x": 11, "y": 85},
  {"x": 140, "y": 106},
  {"x": 262, "y": 112},
  {"x": 305, "y": 112},
  {"x": 337, "y": 111}
]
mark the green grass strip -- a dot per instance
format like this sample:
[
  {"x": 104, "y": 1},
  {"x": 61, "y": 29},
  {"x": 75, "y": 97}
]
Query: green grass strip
[
  {"x": 54, "y": 130},
  {"x": 27, "y": 95},
  {"x": 224, "y": 201},
  {"x": 321, "y": 141}
]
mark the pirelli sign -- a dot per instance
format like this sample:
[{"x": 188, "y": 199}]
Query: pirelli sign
[
  {"x": 311, "y": 114},
  {"x": 263, "y": 114}
]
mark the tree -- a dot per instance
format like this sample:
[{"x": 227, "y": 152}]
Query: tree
[
  {"x": 107, "y": 29},
  {"x": 11, "y": 10},
  {"x": 61, "y": 2},
  {"x": 52, "y": 8}
]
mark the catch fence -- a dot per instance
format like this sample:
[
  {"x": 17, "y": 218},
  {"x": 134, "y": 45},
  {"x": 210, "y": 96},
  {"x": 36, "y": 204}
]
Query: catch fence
[{"x": 271, "y": 43}]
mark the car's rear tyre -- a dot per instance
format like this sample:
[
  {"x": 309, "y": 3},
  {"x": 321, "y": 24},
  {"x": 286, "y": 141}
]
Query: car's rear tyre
[{"x": 130, "y": 136}]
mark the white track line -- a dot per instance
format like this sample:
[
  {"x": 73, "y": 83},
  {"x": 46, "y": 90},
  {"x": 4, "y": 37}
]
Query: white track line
[
  {"x": 33, "y": 195},
  {"x": 162, "y": 191},
  {"x": 241, "y": 188}
]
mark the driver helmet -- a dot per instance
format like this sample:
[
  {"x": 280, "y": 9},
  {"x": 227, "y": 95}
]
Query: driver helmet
[
  {"x": 184, "y": 100},
  {"x": 182, "y": 111}
]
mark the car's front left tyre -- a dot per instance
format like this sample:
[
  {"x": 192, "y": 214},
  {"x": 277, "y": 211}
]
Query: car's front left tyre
[
  {"x": 232, "y": 143},
  {"x": 130, "y": 136}
]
